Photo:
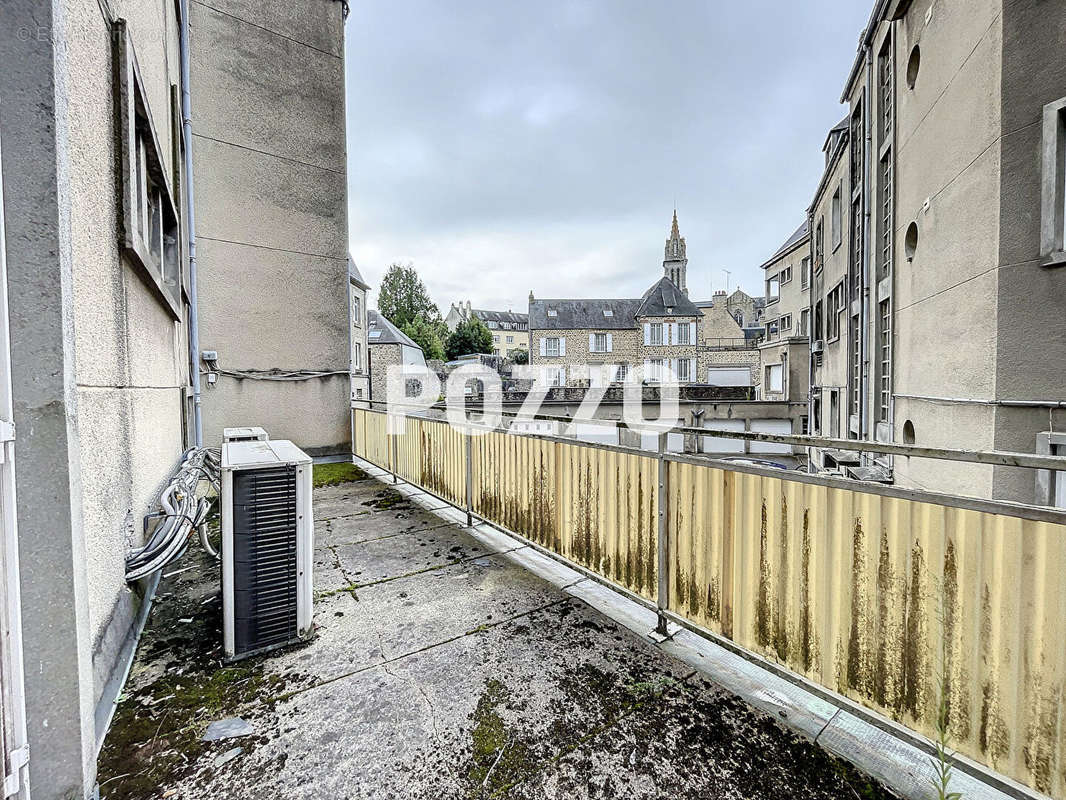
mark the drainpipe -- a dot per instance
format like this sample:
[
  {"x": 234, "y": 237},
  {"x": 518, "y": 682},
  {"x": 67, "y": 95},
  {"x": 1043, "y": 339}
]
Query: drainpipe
[{"x": 190, "y": 216}]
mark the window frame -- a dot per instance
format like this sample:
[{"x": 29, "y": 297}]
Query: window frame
[
  {"x": 836, "y": 216},
  {"x": 1053, "y": 180},
  {"x": 143, "y": 171},
  {"x": 655, "y": 327},
  {"x": 548, "y": 346}
]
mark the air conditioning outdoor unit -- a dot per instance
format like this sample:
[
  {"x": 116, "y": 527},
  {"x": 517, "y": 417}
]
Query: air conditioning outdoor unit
[
  {"x": 817, "y": 346},
  {"x": 267, "y": 530},
  {"x": 254, "y": 434}
]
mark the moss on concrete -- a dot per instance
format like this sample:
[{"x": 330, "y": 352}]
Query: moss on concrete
[{"x": 337, "y": 474}]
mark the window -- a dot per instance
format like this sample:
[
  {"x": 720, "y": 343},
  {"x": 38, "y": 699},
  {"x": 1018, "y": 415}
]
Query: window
[
  {"x": 775, "y": 378},
  {"x": 773, "y": 289},
  {"x": 834, "y": 307},
  {"x": 552, "y": 312},
  {"x": 805, "y": 316},
  {"x": 805, "y": 273},
  {"x": 684, "y": 370},
  {"x": 885, "y": 363},
  {"x": 739, "y": 316},
  {"x": 857, "y": 150},
  {"x": 510, "y": 340},
  {"x": 885, "y": 85},
  {"x": 492, "y": 325},
  {"x": 356, "y": 317},
  {"x": 358, "y": 395},
  {"x": 496, "y": 339},
  {"x": 856, "y": 249},
  {"x": 884, "y": 254},
  {"x": 684, "y": 333},
  {"x": 816, "y": 333},
  {"x": 786, "y": 275},
  {"x": 836, "y": 220},
  {"x": 785, "y": 323},
  {"x": 607, "y": 312},
  {"x": 819, "y": 244},
  {"x": 150, "y": 230},
  {"x": 656, "y": 334},
  {"x": 357, "y": 357},
  {"x": 834, "y": 413},
  {"x": 1053, "y": 200},
  {"x": 551, "y": 347},
  {"x": 653, "y": 371},
  {"x": 856, "y": 365},
  {"x": 621, "y": 374},
  {"x": 554, "y": 376},
  {"x": 598, "y": 342},
  {"x": 816, "y": 415}
]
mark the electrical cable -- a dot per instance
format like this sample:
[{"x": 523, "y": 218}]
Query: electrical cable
[{"x": 181, "y": 512}]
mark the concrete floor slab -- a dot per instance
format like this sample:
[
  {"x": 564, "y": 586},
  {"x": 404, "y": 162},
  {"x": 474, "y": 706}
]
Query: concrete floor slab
[{"x": 453, "y": 674}]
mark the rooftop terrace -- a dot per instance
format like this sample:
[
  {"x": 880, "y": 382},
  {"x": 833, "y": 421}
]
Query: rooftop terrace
[{"x": 449, "y": 662}]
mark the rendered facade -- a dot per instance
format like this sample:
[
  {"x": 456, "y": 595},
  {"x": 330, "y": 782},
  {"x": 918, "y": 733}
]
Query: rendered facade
[
  {"x": 938, "y": 293},
  {"x": 93, "y": 150}
]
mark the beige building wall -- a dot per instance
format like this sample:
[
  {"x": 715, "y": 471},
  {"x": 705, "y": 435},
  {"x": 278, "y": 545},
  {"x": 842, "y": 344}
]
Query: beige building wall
[
  {"x": 359, "y": 364},
  {"x": 98, "y": 355},
  {"x": 272, "y": 217}
]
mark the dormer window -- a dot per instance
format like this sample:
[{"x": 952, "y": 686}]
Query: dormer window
[
  {"x": 607, "y": 312},
  {"x": 552, "y": 312}
]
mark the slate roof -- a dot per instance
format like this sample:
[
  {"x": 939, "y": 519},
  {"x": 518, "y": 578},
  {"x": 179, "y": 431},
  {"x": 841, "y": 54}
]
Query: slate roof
[
  {"x": 502, "y": 316},
  {"x": 583, "y": 314},
  {"x": 801, "y": 233},
  {"x": 390, "y": 334},
  {"x": 354, "y": 275},
  {"x": 665, "y": 299}
]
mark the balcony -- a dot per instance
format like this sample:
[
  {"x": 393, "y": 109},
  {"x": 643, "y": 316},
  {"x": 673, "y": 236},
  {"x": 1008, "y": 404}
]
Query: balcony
[{"x": 729, "y": 344}]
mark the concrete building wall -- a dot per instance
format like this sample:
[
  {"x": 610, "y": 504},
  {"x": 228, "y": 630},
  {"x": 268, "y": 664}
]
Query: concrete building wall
[
  {"x": 1031, "y": 298},
  {"x": 98, "y": 360},
  {"x": 272, "y": 215},
  {"x": 948, "y": 166}
]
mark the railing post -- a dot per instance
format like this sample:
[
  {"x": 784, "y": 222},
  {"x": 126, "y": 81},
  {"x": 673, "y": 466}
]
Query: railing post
[
  {"x": 395, "y": 463},
  {"x": 469, "y": 481},
  {"x": 662, "y": 551}
]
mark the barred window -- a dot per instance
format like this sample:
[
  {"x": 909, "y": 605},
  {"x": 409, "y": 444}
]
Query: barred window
[{"x": 885, "y": 364}]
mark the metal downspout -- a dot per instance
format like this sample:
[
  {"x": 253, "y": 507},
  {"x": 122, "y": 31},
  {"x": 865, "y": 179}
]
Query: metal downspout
[
  {"x": 864, "y": 309},
  {"x": 190, "y": 216}
]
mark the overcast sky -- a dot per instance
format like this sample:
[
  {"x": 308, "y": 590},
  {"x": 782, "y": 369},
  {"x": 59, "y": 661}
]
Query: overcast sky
[{"x": 504, "y": 146}]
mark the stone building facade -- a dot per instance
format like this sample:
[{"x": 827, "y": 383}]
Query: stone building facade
[
  {"x": 661, "y": 334},
  {"x": 510, "y": 329},
  {"x": 388, "y": 346}
]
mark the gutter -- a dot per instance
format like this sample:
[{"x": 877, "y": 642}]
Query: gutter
[{"x": 190, "y": 216}]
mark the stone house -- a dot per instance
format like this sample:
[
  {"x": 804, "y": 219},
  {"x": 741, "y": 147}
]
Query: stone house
[
  {"x": 598, "y": 342},
  {"x": 510, "y": 329},
  {"x": 388, "y": 346}
]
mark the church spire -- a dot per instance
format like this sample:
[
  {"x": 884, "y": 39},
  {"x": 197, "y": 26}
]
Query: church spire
[{"x": 675, "y": 261}]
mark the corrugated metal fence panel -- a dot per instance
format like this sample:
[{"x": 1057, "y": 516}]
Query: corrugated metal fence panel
[
  {"x": 409, "y": 450},
  {"x": 886, "y": 600},
  {"x": 443, "y": 453}
]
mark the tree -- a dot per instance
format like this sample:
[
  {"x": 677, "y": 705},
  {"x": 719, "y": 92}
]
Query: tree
[
  {"x": 519, "y": 356},
  {"x": 469, "y": 337},
  {"x": 402, "y": 298},
  {"x": 425, "y": 336}
]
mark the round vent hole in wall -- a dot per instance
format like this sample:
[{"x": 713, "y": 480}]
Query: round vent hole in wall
[
  {"x": 910, "y": 242},
  {"x": 913, "y": 65},
  {"x": 908, "y": 432}
]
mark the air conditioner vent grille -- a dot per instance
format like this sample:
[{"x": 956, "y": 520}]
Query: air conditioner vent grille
[{"x": 264, "y": 558}]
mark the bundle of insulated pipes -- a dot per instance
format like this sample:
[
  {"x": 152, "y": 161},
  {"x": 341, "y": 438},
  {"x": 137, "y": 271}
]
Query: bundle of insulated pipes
[{"x": 180, "y": 512}]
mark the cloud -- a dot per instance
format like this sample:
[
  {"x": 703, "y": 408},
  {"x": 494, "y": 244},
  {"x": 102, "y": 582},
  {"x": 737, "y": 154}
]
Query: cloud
[{"x": 504, "y": 147}]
